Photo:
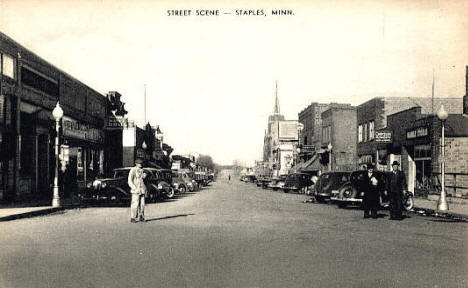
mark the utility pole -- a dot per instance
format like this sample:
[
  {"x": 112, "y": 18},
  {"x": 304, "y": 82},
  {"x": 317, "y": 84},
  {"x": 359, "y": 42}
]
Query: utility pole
[{"x": 145, "y": 104}]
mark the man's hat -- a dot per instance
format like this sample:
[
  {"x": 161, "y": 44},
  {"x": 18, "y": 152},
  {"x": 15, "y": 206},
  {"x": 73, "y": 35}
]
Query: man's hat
[
  {"x": 139, "y": 161},
  {"x": 395, "y": 163},
  {"x": 370, "y": 166}
]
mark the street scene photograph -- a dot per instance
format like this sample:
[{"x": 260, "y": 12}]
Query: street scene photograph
[{"x": 233, "y": 143}]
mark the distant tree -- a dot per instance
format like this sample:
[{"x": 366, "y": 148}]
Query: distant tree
[{"x": 206, "y": 161}]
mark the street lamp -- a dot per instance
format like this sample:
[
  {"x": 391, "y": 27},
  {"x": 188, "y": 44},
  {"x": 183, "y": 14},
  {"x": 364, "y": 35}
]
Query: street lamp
[
  {"x": 442, "y": 204},
  {"x": 330, "y": 147},
  {"x": 58, "y": 114}
]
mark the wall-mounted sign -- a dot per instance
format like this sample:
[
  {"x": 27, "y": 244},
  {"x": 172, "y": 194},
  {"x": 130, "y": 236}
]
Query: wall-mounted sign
[
  {"x": 383, "y": 137},
  {"x": 416, "y": 132},
  {"x": 288, "y": 130},
  {"x": 308, "y": 148},
  {"x": 128, "y": 137}
]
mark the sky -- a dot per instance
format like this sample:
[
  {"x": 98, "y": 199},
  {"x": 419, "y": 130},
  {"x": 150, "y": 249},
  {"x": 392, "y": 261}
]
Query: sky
[{"x": 210, "y": 80}]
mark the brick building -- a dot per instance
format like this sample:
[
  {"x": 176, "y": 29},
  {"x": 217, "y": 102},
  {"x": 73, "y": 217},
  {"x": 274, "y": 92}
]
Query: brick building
[
  {"x": 338, "y": 127},
  {"x": 30, "y": 88},
  {"x": 372, "y": 116},
  {"x": 417, "y": 144},
  {"x": 310, "y": 117}
]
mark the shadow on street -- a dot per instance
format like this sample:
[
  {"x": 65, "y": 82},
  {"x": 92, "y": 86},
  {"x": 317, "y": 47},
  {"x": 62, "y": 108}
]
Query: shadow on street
[{"x": 169, "y": 217}]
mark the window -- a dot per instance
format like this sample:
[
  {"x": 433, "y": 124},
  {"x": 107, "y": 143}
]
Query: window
[
  {"x": 360, "y": 134},
  {"x": 365, "y": 132},
  {"x": 422, "y": 152},
  {"x": 371, "y": 130},
  {"x": 39, "y": 82},
  {"x": 8, "y": 65}
]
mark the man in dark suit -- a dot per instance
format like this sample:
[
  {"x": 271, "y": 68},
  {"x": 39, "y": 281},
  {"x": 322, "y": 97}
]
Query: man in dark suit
[
  {"x": 396, "y": 186},
  {"x": 370, "y": 201}
]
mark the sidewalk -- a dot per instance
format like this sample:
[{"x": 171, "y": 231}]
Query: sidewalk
[
  {"x": 31, "y": 209},
  {"x": 459, "y": 209}
]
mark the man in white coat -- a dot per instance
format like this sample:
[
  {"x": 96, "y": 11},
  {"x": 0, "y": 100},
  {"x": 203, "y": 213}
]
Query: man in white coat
[{"x": 137, "y": 185}]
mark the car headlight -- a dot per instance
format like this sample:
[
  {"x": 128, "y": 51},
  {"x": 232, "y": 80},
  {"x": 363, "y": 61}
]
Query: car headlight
[
  {"x": 176, "y": 185},
  {"x": 96, "y": 184},
  {"x": 89, "y": 185},
  {"x": 103, "y": 184},
  {"x": 362, "y": 194},
  {"x": 160, "y": 187}
]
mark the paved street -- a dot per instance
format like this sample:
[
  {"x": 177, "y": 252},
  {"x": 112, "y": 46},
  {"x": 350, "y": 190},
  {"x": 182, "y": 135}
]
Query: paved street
[{"x": 232, "y": 235}]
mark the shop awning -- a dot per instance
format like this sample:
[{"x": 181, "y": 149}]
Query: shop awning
[
  {"x": 310, "y": 165},
  {"x": 313, "y": 164}
]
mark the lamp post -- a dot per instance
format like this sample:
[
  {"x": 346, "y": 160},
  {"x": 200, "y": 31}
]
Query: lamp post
[
  {"x": 58, "y": 114},
  {"x": 442, "y": 204},
  {"x": 330, "y": 147}
]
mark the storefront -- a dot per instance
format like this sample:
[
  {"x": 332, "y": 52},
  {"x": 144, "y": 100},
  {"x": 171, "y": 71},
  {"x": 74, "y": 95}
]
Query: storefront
[{"x": 82, "y": 150}]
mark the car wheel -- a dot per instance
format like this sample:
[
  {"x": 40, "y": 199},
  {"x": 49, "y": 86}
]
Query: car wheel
[
  {"x": 182, "y": 190},
  {"x": 342, "y": 204},
  {"x": 170, "y": 194},
  {"x": 275, "y": 189},
  {"x": 408, "y": 203},
  {"x": 285, "y": 190}
]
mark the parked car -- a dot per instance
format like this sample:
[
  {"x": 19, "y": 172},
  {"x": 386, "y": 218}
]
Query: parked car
[
  {"x": 296, "y": 182},
  {"x": 163, "y": 177},
  {"x": 116, "y": 189},
  {"x": 277, "y": 182},
  {"x": 182, "y": 182},
  {"x": 352, "y": 192},
  {"x": 328, "y": 182}
]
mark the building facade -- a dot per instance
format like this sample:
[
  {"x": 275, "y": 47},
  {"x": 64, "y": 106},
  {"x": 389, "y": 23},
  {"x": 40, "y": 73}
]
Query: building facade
[
  {"x": 372, "y": 117},
  {"x": 417, "y": 143},
  {"x": 338, "y": 130},
  {"x": 30, "y": 89}
]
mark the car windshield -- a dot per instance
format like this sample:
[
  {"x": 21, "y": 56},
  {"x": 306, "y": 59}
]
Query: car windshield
[
  {"x": 121, "y": 173},
  {"x": 335, "y": 178}
]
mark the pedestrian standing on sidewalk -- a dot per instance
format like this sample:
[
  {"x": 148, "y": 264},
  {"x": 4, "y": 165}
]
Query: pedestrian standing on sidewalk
[
  {"x": 370, "y": 201},
  {"x": 396, "y": 186},
  {"x": 138, "y": 189}
]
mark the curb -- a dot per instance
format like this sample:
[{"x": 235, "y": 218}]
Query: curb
[
  {"x": 435, "y": 213},
  {"x": 31, "y": 214}
]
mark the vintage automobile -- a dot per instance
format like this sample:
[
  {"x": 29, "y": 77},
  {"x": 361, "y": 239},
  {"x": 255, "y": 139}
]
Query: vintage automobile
[
  {"x": 352, "y": 192},
  {"x": 116, "y": 189},
  {"x": 297, "y": 182},
  {"x": 262, "y": 181},
  {"x": 328, "y": 182},
  {"x": 182, "y": 182},
  {"x": 201, "y": 178},
  {"x": 277, "y": 182},
  {"x": 164, "y": 181}
]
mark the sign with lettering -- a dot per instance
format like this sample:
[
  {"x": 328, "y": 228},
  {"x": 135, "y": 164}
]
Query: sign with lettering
[
  {"x": 417, "y": 132},
  {"x": 308, "y": 148},
  {"x": 383, "y": 137}
]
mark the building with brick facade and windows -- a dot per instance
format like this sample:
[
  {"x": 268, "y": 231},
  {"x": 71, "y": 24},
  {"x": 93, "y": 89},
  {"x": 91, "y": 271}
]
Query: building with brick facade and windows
[
  {"x": 416, "y": 141},
  {"x": 372, "y": 116},
  {"x": 338, "y": 130},
  {"x": 30, "y": 89}
]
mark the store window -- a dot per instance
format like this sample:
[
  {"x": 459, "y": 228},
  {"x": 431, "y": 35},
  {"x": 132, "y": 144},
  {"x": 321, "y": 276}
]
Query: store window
[
  {"x": 422, "y": 152},
  {"x": 365, "y": 132},
  {"x": 8, "y": 65},
  {"x": 371, "y": 130}
]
